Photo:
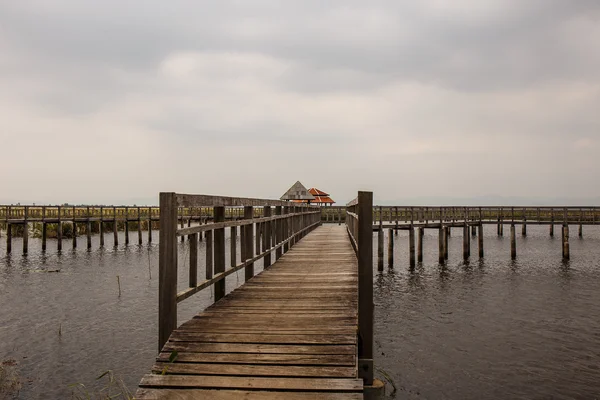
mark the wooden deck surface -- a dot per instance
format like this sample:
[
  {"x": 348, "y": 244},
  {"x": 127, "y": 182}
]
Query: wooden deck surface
[{"x": 288, "y": 333}]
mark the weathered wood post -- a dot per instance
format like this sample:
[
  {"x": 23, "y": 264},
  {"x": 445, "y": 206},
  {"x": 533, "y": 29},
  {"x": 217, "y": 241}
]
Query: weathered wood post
[
  {"x": 266, "y": 244},
  {"x": 513, "y": 242},
  {"x": 167, "y": 268},
  {"x": 580, "y": 224},
  {"x": 139, "y": 226},
  {"x": 411, "y": 245},
  {"x": 193, "y": 272},
  {"x": 150, "y": 227},
  {"x": 219, "y": 248},
  {"x": 8, "y": 238},
  {"x": 278, "y": 232},
  {"x": 59, "y": 231},
  {"x": 396, "y": 213},
  {"x": 380, "y": 246},
  {"x": 88, "y": 229},
  {"x": 286, "y": 228},
  {"x": 74, "y": 229},
  {"x": 524, "y": 227},
  {"x": 25, "y": 230},
  {"x": 101, "y": 226},
  {"x": 115, "y": 227},
  {"x": 248, "y": 243},
  {"x": 565, "y": 242},
  {"x": 466, "y": 249},
  {"x": 391, "y": 248},
  {"x": 480, "y": 238},
  {"x": 446, "y": 230},
  {"x": 127, "y": 226},
  {"x": 365, "y": 287},
  {"x": 552, "y": 223},
  {"x": 44, "y": 229},
  {"x": 182, "y": 222},
  {"x": 441, "y": 257},
  {"x": 233, "y": 246},
  {"x": 420, "y": 234}
]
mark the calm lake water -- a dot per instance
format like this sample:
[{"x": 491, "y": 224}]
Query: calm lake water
[{"x": 488, "y": 329}]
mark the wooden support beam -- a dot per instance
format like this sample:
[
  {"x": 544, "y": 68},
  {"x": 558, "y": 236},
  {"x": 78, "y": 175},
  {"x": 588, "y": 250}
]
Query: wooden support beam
[
  {"x": 167, "y": 268},
  {"x": 411, "y": 246},
  {"x": 139, "y": 226},
  {"x": 565, "y": 242},
  {"x": 441, "y": 257},
  {"x": 150, "y": 227},
  {"x": 8, "y": 238},
  {"x": 390, "y": 248},
  {"x": 44, "y": 235},
  {"x": 446, "y": 235},
  {"x": 380, "y": 247},
  {"x": 126, "y": 226},
  {"x": 466, "y": 249},
  {"x": 193, "y": 272},
  {"x": 219, "y": 248},
  {"x": 420, "y": 233},
  {"x": 115, "y": 227},
  {"x": 279, "y": 232},
  {"x": 266, "y": 243},
  {"x": 513, "y": 242},
  {"x": 248, "y": 243},
  {"x": 101, "y": 226},
  {"x": 480, "y": 240},
  {"x": 365, "y": 287},
  {"x": 233, "y": 246}
]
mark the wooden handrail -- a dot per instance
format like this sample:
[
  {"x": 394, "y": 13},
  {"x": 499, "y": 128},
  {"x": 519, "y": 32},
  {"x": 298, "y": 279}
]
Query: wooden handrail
[{"x": 277, "y": 233}]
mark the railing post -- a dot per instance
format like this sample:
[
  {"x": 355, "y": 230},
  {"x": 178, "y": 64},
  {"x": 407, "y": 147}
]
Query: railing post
[
  {"x": 219, "y": 249},
  {"x": 278, "y": 232},
  {"x": 167, "y": 268},
  {"x": 266, "y": 243},
  {"x": 248, "y": 242},
  {"x": 365, "y": 286}
]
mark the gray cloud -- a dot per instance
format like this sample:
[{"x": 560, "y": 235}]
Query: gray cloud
[{"x": 501, "y": 96}]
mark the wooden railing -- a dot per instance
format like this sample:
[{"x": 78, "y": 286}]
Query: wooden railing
[
  {"x": 271, "y": 226},
  {"x": 359, "y": 213}
]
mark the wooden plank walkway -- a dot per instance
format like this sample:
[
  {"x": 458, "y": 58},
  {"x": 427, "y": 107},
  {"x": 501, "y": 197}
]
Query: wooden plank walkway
[{"x": 290, "y": 332}]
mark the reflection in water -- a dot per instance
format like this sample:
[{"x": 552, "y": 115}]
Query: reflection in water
[{"x": 484, "y": 329}]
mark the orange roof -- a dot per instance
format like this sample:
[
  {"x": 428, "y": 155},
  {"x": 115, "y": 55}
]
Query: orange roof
[
  {"x": 322, "y": 199},
  {"x": 317, "y": 192}
]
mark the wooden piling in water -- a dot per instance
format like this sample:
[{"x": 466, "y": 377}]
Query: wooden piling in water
[
  {"x": 8, "y": 238},
  {"x": 139, "y": 226},
  {"x": 101, "y": 226},
  {"x": 150, "y": 227},
  {"x": 115, "y": 227},
  {"x": 44, "y": 235},
  {"x": 474, "y": 230},
  {"x": 480, "y": 240},
  {"x": 524, "y": 227},
  {"x": 25, "y": 234},
  {"x": 233, "y": 246},
  {"x": 513, "y": 242},
  {"x": 420, "y": 244},
  {"x": 59, "y": 235},
  {"x": 565, "y": 242},
  {"x": 74, "y": 229},
  {"x": 390, "y": 248},
  {"x": 552, "y": 229},
  {"x": 466, "y": 246},
  {"x": 127, "y": 226},
  {"x": 441, "y": 257},
  {"x": 580, "y": 230},
  {"x": 88, "y": 232},
  {"x": 411, "y": 246},
  {"x": 380, "y": 247},
  {"x": 193, "y": 271},
  {"x": 446, "y": 230}
]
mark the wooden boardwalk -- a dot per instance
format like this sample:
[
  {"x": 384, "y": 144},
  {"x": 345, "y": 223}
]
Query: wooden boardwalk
[{"x": 290, "y": 332}]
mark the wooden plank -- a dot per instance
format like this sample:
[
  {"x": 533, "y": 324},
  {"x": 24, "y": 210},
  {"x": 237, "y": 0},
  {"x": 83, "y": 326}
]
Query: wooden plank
[
  {"x": 265, "y": 338},
  {"x": 193, "y": 394},
  {"x": 252, "y": 383},
  {"x": 178, "y": 368},
  {"x": 271, "y": 359},
  {"x": 262, "y": 359},
  {"x": 258, "y": 348}
]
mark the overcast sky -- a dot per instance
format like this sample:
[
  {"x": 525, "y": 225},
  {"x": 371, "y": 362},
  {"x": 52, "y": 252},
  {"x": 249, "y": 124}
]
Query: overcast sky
[{"x": 114, "y": 101}]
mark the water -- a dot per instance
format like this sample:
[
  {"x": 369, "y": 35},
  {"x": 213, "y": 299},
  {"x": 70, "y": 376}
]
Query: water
[{"x": 484, "y": 330}]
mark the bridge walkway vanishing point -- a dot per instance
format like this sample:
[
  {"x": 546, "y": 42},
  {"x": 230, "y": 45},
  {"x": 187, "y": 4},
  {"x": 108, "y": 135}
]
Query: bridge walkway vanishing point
[{"x": 289, "y": 332}]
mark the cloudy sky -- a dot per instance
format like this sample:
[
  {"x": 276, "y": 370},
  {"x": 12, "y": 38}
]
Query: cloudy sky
[{"x": 113, "y": 101}]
